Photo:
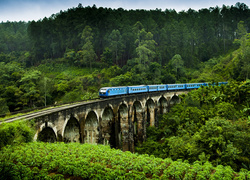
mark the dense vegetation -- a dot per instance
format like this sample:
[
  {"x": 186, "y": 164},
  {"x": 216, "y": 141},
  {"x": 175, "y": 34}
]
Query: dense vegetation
[
  {"x": 210, "y": 124},
  {"x": 70, "y": 55},
  {"x": 85, "y": 161},
  {"x": 16, "y": 133}
]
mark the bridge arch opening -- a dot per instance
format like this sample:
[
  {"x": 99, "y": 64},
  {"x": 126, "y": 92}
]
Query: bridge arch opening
[
  {"x": 174, "y": 100},
  {"x": 150, "y": 105},
  {"x": 91, "y": 129},
  {"x": 163, "y": 105},
  {"x": 72, "y": 130},
  {"x": 137, "y": 121},
  {"x": 47, "y": 135},
  {"x": 108, "y": 127}
]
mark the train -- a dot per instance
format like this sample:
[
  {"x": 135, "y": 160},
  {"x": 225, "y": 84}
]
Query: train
[{"x": 105, "y": 92}]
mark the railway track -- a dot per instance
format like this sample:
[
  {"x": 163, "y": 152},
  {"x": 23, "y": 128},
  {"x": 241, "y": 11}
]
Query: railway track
[
  {"x": 32, "y": 115},
  {"x": 42, "y": 112}
]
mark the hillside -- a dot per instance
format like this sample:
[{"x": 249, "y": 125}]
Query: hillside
[
  {"x": 235, "y": 65},
  {"x": 210, "y": 124},
  {"x": 85, "y": 161},
  {"x": 70, "y": 55}
]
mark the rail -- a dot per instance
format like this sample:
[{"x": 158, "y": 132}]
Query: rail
[{"x": 43, "y": 110}]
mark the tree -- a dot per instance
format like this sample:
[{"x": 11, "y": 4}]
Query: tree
[
  {"x": 177, "y": 63},
  {"x": 29, "y": 86},
  {"x": 115, "y": 44},
  {"x": 146, "y": 47},
  {"x": 87, "y": 53},
  {"x": 106, "y": 57},
  {"x": 3, "y": 106},
  {"x": 244, "y": 40}
]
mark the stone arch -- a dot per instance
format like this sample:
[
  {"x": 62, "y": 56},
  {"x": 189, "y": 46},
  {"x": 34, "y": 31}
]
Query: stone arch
[
  {"x": 123, "y": 109},
  {"x": 47, "y": 133},
  {"x": 91, "y": 128},
  {"x": 163, "y": 105},
  {"x": 108, "y": 127},
  {"x": 150, "y": 111},
  {"x": 137, "y": 122},
  {"x": 174, "y": 100},
  {"x": 123, "y": 128},
  {"x": 71, "y": 131}
]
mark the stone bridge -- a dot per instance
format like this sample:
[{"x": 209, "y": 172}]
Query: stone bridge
[{"x": 119, "y": 122}]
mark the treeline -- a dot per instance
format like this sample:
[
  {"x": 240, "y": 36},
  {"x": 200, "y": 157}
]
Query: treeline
[
  {"x": 87, "y": 35},
  {"x": 13, "y": 38},
  {"x": 117, "y": 35}
]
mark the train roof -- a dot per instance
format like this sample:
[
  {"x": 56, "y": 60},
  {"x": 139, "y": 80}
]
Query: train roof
[
  {"x": 175, "y": 84},
  {"x": 113, "y": 87},
  {"x": 137, "y": 86}
]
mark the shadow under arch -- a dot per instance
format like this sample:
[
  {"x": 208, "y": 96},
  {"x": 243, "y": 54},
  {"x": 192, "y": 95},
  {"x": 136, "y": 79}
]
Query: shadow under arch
[
  {"x": 150, "y": 112},
  {"x": 47, "y": 135},
  {"x": 174, "y": 100},
  {"x": 137, "y": 122},
  {"x": 162, "y": 105},
  {"x": 108, "y": 127},
  {"x": 72, "y": 130},
  {"x": 91, "y": 129}
]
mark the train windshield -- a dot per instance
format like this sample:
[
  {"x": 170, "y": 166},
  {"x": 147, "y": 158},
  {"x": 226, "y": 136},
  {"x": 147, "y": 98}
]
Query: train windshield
[{"x": 103, "y": 90}]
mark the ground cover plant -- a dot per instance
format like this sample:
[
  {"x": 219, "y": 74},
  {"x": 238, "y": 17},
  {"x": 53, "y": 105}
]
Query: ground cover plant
[{"x": 39, "y": 160}]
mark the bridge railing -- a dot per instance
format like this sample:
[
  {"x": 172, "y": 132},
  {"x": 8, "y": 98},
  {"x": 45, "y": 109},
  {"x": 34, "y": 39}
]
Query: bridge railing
[{"x": 42, "y": 107}]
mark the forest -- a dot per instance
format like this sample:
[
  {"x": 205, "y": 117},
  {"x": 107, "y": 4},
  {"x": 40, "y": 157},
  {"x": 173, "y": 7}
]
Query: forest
[{"x": 70, "y": 55}]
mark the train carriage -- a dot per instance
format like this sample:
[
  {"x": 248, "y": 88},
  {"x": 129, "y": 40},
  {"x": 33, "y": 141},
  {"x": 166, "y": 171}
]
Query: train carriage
[
  {"x": 122, "y": 90},
  {"x": 221, "y": 83},
  {"x": 176, "y": 86},
  {"x": 162, "y": 87},
  {"x": 194, "y": 85},
  {"x": 137, "y": 89},
  {"x": 152, "y": 88},
  {"x": 112, "y": 91}
]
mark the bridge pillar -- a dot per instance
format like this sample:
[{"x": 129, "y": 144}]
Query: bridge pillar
[
  {"x": 152, "y": 117},
  {"x": 137, "y": 124},
  {"x": 140, "y": 120},
  {"x": 123, "y": 118},
  {"x": 125, "y": 133}
]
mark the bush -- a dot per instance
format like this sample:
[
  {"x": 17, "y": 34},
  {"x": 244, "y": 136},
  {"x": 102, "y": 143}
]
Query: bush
[{"x": 15, "y": 133}]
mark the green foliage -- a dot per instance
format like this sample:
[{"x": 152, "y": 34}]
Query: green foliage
[
  {"x": 15, "y": 133},
  {"x": 163, "y": 47},
  {"x": 3, "y": 106},
  {"x": 61, "y": 161},
  {"x": 210, "y": 124}
]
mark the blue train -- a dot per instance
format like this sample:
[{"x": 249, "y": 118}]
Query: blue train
[{"x": 123, "y": 90}]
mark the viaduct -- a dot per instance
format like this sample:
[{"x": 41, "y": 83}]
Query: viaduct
[{"x": 119, "y": 122}]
